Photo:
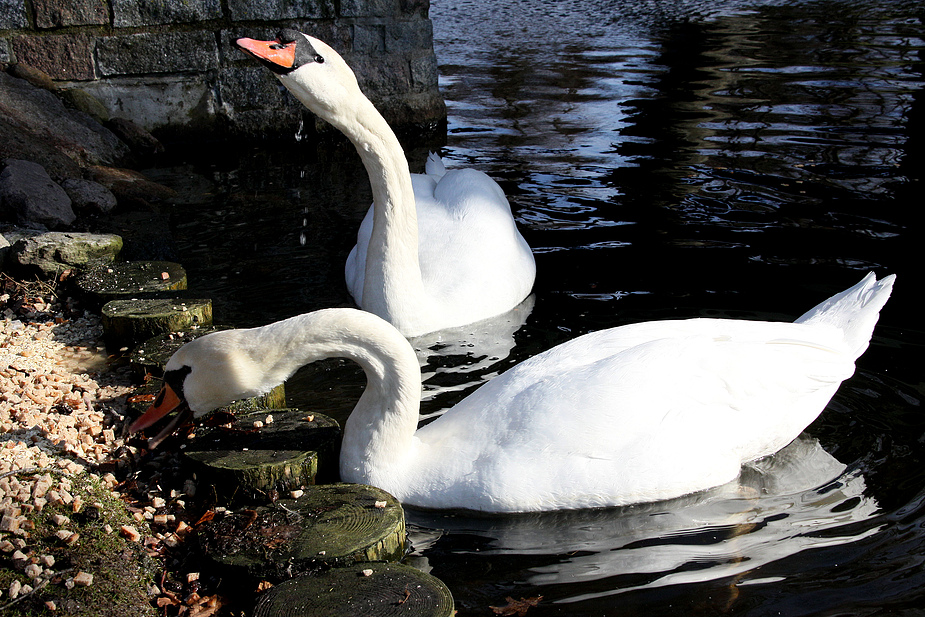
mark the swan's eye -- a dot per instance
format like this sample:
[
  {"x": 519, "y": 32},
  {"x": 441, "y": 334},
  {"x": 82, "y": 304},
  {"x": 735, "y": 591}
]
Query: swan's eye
[{"x": 319, "y": 59}]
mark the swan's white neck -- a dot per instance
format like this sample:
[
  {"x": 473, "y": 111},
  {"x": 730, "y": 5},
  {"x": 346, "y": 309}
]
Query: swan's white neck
[
  {"x": 379, "y": 433},
  {"x": 393, "y": 287}
]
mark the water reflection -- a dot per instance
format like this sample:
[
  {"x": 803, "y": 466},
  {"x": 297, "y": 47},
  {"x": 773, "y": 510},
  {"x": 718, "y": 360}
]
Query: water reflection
[
  {"x": 800, "y": 499},
  {"x": 664, "y": 160}
]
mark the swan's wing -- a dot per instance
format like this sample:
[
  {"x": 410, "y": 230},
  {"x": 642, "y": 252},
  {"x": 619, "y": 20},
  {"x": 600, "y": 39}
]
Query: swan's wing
[
  {"x": 662, "y": 416},
  {"x": 469, "y": 244}
]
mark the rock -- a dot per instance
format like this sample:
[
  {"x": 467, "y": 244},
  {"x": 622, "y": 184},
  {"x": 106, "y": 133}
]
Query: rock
[
  {"x": 80, "y": 99},
  {"x": 383, "y": 589},
  {"x": 89, "y": 195},
  {"x": 4, "y": 249},
  {"x": 127, "y": 323},
  {"x": 330, "y": 525},
  {"x": 29, "y": 195},
  {"x": 139, "y": 140},
  {"x": 34, "y": 76},
  {"x": 100, "y": 283},
  {"x": 130, "y": 186},
  {"x": 55, "y": 252},
  {"x": 35, "y": 125},
  {"x": 265, "y": 452}
]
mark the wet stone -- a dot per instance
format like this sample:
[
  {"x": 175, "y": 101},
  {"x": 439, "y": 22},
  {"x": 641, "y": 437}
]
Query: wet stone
[
  {"x": 100, "y": 283},
  {"x": 261, "y": 454},
  {"x": 127, "y": 323},
  {"x": 381, "y": 589},
  {"x": 331, "y": 525}
]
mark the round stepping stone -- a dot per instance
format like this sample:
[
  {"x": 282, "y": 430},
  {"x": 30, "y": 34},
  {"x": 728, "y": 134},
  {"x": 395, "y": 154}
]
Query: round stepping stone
[
  {"x": 101, "y": 282},
  {"x": 129, "y": 322},
  {"x": 264, "y": 454},
  {"x": 329, "y": 525},
  {"x": 375, "y": 589}
]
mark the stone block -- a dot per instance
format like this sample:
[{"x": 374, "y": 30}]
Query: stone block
[
  {"x": 370, "y": 8},
  {"x": 155, "y": 102},
  {"x": 415, "y": 7},
  {"x": 250, "y": 88},
  {"x": 424, "y": 73},
  {"x": 12, "y": 14},
  {"x": 65, "y": 56},
  {"x": 58, "y": 13},
  {"x": 275, "y": 10},
  {"x": 5, "y": 57},
  {"x": 369, "y": 39},
  {"x": 407, "y": 37},
  {"x": 168, "y": 52},
  {"x": 135, "y": 13},
  {"x": 381, "y": 76}
]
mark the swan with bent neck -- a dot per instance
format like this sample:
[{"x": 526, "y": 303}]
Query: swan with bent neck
[
  {"x": 436, "y": 250},
  {"x": 638, "y": 413}
]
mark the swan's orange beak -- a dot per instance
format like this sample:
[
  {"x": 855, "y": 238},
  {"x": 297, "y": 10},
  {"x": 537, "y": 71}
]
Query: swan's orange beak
[
  {"x": 166, "y": 401},
  {"x": 273, "y": 52}
]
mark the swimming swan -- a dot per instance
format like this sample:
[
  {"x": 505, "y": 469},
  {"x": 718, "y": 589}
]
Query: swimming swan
[
  {"x": 638, "y": 413},
  {"x": 436, "y": 250}
]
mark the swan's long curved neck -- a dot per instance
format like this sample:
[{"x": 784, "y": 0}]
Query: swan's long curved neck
[
  {"x": 382, "y": 425},
  {"x": 393, "y": 272}
]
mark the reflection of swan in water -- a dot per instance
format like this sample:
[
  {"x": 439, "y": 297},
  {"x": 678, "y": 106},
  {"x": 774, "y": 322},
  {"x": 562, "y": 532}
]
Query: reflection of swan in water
[
  {"x": 458, "y": 359},
  {"x": 776, "y": 508}
]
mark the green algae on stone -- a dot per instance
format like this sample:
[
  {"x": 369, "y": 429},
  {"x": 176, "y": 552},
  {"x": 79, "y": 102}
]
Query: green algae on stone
[
  {"x": 129, "y": 322},
  {"x": 265, "y": 453},
  {"x": 381, "y": 589},
  {"x": 101, "y": 282},
  {"x": 329, "y": 525}
]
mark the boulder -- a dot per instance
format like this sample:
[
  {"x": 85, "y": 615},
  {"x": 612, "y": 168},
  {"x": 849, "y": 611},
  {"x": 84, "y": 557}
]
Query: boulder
[
  {"x": 28, "y": 195},
  {"x": 89, "y": 196},
  {"x": 54, "y": 252},
  {"x": 36, "y": 125}
]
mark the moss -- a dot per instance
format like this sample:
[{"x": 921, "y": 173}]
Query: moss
[{"x": 122, "y": 572}]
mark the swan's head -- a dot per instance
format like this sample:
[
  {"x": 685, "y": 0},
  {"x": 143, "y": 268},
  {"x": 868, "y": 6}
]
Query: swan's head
[
  {"x": 309, "y": 68},
  {"x": 203, "y": 375}
]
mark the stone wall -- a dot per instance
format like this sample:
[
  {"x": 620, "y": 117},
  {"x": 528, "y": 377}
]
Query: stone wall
[{"x": 170, "y": 66}]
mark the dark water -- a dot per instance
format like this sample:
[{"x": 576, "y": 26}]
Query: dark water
[{"x": 664, "y": 160}]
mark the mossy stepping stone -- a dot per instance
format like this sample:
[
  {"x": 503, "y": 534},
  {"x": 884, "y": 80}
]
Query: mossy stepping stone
[
  {"x": 330, "y": 525},
  {"x": 101, "y": 282},
  {"x": 264, "y": 454},
  {"x": 375, "y": 589},
  {"x": 129, "y": 322},
  {"x": 151, "y": 356}
]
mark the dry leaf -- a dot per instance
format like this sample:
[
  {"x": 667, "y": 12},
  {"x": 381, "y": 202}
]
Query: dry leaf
[{"x": 516, "y": 607}]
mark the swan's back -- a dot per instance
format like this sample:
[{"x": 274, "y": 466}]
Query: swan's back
[
  {"x": 474, "y": 263},
  {"x": 638, "y": 413}
]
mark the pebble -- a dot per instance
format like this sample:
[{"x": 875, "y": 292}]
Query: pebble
[{"x": 62, "y": 408}]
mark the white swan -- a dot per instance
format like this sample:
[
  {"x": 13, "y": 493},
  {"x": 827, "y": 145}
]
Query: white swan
[
  {"x": 638, "y": 413},
  {"x": 436, "y": 250}
]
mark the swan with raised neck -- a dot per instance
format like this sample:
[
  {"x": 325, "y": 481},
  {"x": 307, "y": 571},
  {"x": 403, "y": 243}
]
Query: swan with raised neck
[
  {"x": 638, "y": 413},
  {"x": 436, "y": 251}
]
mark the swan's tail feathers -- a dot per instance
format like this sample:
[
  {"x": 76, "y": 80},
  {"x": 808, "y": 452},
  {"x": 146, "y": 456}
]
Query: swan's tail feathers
[
  {"x": 854, "y": 310},
  {"x": 434, "y": 166}
]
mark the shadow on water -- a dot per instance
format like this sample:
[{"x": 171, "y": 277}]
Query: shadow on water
[{"x": 664, "y": 160}]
